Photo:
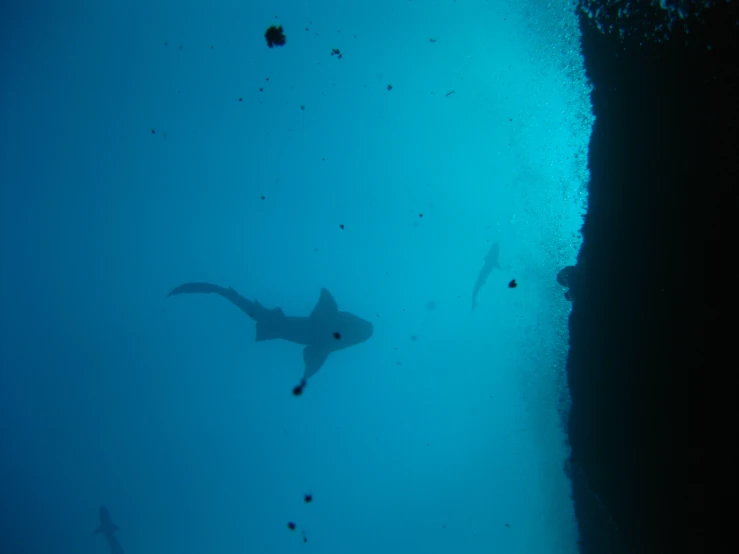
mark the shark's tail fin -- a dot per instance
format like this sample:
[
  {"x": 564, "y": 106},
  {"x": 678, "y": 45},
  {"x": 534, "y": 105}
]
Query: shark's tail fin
[{"x": 269, "y": 323}]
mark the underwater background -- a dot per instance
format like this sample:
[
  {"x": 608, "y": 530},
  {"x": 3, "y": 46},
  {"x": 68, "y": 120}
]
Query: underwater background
[{"x": 145, "y": 145}]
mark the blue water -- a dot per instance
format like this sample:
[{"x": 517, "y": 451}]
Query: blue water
[{"x": 137, "y": 142}]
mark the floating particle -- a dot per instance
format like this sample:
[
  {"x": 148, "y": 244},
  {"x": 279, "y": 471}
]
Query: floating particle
[
  {"x": 298, "y": 389},
  {"x": 414, "y": 338},
  {"x": 420, "y": 215},
  {"x": 390, "y": 87},
  {"x": 341, "y": 226},
  {"x": 430, "y": 305},
  {"x": 291, "y": 526},
  {"x": 275, "y": 36},
  {"x": 308, "y": 498},
  {"x": 262, "y": 197},
  {"x": 512, "y": 284},
  {"x": 153, "y": 131},
  {"x": 337, "y": 335}
]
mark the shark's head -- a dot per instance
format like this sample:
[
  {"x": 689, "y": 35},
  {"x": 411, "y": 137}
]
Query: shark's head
[
  {"x": 352, "y": 330},
  {"x": 104, "y": 515}
]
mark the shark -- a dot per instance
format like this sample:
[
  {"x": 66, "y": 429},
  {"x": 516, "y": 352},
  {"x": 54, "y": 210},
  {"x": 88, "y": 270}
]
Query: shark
[
  {"x": 325, "y": 330},
  {"x": 491, "y": 262},
  {"x": 107, "y": 528}
]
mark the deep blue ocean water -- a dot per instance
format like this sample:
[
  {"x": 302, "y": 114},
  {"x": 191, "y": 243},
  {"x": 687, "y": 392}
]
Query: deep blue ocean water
[{"x": 149, "y": 144}]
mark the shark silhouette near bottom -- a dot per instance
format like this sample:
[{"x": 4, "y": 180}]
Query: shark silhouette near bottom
[
  {"x": 491, "y": 262},
  {"x": 324, "y": 331},
  {"x": 107, "y": 528}
]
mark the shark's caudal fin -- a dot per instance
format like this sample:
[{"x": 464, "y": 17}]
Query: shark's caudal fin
[{"x": 253, "y": 309}]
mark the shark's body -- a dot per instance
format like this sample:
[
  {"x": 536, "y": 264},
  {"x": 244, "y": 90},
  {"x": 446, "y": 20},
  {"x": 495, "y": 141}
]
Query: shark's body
[
  {"x": 107, "y": 528},
  {"x": 324, "y": 331},
  {"x": 491, "y": 262}
]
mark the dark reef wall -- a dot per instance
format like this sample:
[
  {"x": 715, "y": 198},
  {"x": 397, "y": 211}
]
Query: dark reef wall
[{"x": 652, "y": 420}]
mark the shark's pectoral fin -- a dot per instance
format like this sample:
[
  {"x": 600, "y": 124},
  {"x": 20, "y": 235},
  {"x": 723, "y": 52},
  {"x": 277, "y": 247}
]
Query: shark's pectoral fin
[{"x": 314, "y": 357}]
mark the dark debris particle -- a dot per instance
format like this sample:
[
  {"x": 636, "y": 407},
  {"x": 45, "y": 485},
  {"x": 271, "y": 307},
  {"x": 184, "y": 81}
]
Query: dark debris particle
[
  {"x": 153, "y": 131},
  {"x": 508, "y": 525},
  {"x": 512, "y": 284},
  {"x": 308, "y": 498},
  {"x": 414, "y": 338},
  {"x": 291, "y": 526},
  {"x": 262, "y": 197},
  {"x": 305, "y": 539},
  {"x": 302, "y": 107},
  {"x": 430, "y": 305},
  {"x": 341, "y": 226},
  {"x": 261, "y": 89},
  {"x": 275, "y": 36},
  {"x": 298, "y": 389},
  {"x": 337, "y": 335},
  {"x": 420, "y": 215},
  {"x": 241, "y": 99},
  {"x": 390, "y": 87}
]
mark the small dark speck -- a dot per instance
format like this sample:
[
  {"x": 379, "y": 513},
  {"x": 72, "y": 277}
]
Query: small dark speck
[
  {"x": 337, "y": 335},
  {"x": 261, "y": 89},
  {"x": 291, "y": 526},
  {"x": 430, "y": 305},
  {"x": 420, "y": 215},
  {"x": 153, "y": 131},
  {"x": 302, "y": 107},
  {"x": 443, "y": 526},
  {"x": 180, "y": 47},
  {"x": 262, "y": 197},
  {"x": 308, "y": 497},
  {"x": 508, "y": 525},
  {"x": 390, "y": 87},
  {"x": 241, "y": 99},
  {"x": 298, "y": 389},
  {"x": 341, "y": 226},
  {"x": 414, "y": 338},
  {"x": 512, "y": 284},
  {"x": 305, "y": 539}
]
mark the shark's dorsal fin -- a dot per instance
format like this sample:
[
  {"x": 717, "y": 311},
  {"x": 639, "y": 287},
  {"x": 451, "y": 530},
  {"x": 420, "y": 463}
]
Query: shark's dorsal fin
[
  {"x": 326, "y": 305},
  {"x": 314, "y": 357}
]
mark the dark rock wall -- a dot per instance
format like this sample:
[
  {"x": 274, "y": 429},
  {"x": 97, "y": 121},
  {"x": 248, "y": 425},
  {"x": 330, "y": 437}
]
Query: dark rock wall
[{"x": 651, "y": 423}]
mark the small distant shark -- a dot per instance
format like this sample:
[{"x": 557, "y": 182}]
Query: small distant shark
[
  {"x": 107, "y": 528},
  {"x": 324, "y": 331},
  {"x": 491, "y": 262}
]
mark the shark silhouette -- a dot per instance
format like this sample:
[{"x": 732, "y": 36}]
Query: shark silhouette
[
  {"x": 324, "y": 331},
  {"x": 491, "y": 262},
  {"x": 107, "y": 528}
]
